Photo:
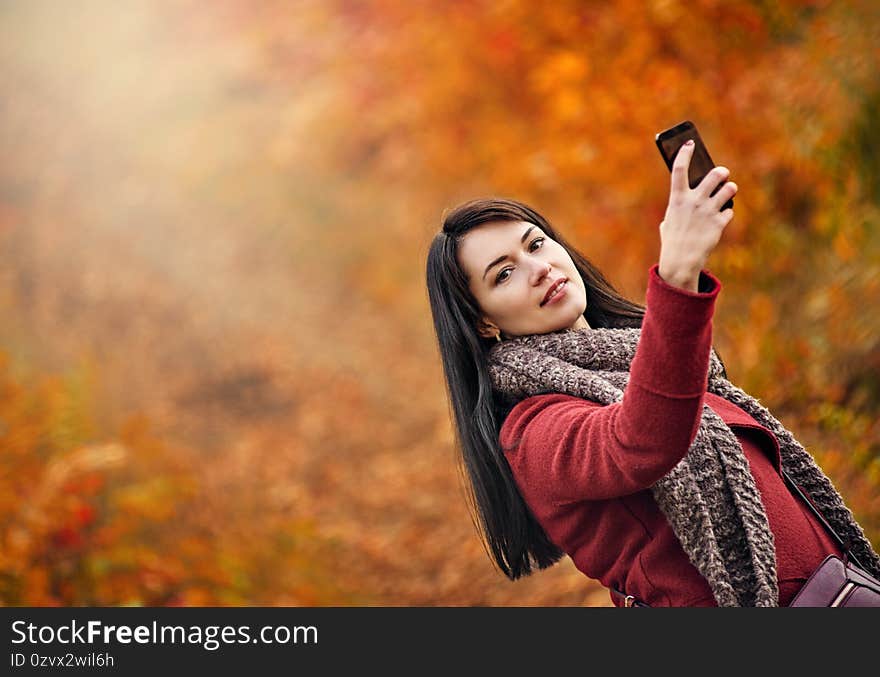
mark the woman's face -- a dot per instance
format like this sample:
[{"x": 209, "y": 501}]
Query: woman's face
[{"x": 513, "y": 268}]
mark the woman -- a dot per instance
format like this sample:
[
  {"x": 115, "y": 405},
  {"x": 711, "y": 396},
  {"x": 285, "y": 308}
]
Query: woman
[{"x": 594, "y": 427}]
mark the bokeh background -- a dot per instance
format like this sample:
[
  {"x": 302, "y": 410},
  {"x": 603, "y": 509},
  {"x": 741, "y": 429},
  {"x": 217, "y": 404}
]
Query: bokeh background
[{"x": 219, "y": 382}]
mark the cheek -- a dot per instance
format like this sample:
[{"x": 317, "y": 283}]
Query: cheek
[
  {"x": 496, "y": 302},
  {"x": 513, "y": 302},
  {"x": 565, "y": 257},
  {"x": 486, "y": 300}
]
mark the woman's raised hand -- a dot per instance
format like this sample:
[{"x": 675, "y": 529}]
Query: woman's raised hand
[{"x": 693, "y": 222}]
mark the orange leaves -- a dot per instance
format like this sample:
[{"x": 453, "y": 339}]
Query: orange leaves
[
  {"x": 844, "y": 246},
  {"x": 561, "y": 81},
  {"x": 111, "y": 524}
]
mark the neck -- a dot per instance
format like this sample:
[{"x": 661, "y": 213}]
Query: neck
[{"x": 581, "y": 323}]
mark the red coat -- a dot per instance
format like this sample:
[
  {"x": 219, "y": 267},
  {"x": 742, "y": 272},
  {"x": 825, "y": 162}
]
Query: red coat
[{"x": 585, "y": 469}]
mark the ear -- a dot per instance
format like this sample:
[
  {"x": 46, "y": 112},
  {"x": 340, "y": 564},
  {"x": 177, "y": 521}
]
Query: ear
[{"x": 487, "y": 329}]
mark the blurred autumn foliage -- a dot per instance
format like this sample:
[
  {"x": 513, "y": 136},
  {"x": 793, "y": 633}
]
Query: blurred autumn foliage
[{"x": 219, "y": 383}]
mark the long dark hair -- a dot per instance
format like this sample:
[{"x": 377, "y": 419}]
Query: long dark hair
[{"x": 515, "y": 539}]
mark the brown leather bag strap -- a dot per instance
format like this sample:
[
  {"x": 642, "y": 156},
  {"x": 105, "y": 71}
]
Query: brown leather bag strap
[{"x": 844, "y": 545}]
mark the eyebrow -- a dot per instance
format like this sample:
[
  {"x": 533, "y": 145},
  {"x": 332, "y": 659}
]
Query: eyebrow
[{"x": 501, "y": 258}]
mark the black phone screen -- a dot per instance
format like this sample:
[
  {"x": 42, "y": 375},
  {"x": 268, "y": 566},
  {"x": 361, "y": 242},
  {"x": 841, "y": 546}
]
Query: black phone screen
[{"x": 669, "y": 142}]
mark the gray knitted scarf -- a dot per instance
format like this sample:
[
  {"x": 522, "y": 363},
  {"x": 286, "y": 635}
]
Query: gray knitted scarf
[{"x": 710, "y": 497}]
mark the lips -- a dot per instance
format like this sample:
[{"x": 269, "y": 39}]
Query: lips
[{"x": 554, "y": 288}]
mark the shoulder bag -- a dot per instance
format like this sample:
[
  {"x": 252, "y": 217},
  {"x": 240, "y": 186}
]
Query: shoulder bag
[{"x": 835, "y": 582}]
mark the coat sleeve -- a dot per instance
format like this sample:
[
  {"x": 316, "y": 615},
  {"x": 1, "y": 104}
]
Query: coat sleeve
[{"x": 564, "y": 449}]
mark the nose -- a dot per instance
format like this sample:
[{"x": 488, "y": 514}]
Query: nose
[{"x": 541, "y": 271}]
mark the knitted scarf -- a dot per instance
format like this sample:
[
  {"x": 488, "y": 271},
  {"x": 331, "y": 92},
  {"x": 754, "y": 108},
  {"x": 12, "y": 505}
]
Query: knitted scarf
[{"x": 709, "y": 497}]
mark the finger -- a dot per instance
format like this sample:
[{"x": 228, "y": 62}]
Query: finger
[
  {"x": 680, "y": 167},
  {"x": 711, "y": 181},
  {"x": 727, "y": 191},
  {"x": 726, "y": 216}
]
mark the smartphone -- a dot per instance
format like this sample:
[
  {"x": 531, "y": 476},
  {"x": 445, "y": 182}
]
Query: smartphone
[{"x": 669, "y": 142}]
